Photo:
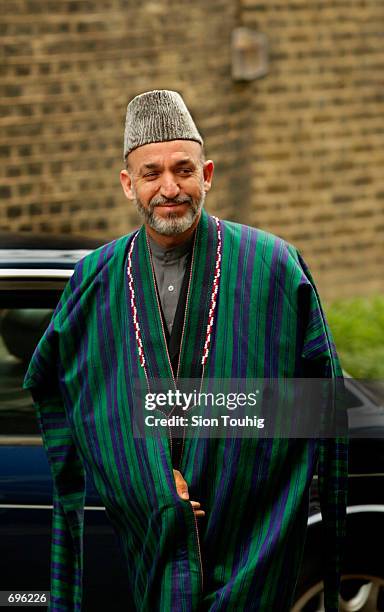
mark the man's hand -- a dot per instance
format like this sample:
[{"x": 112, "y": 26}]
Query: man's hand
[{"x": 182, "y": 490}]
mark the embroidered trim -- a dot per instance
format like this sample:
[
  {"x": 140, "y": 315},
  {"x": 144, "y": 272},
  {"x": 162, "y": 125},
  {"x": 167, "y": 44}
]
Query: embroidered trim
[
  {"x": 133, "y": 306},
  {"x": 213, "y": 301},
  {"x": 215, "y": 288}
]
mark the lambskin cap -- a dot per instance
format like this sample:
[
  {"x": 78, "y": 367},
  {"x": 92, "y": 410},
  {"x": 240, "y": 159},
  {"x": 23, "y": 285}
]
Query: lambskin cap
[{"x": 158, "y": 116}]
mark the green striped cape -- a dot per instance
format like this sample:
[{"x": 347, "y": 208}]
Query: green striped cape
[{"x": 269, "y": 323}]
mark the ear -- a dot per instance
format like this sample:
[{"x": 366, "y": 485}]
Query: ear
[
  {"x": 126, "y": 183},
  {"x": 208, "y": 168}
]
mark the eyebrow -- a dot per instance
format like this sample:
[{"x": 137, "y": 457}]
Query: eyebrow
[
  {"x": 154, "y": 166},
  {"x": 149, "y": 166}
]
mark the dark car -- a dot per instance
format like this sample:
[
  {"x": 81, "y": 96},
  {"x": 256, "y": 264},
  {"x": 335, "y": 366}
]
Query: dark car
[
  {"x": 33, "y": 273},
  {"x": 362, "y": 585}
]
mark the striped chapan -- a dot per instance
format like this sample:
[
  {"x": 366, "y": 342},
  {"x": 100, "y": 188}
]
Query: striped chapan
[{"x": 247, "y": 551}]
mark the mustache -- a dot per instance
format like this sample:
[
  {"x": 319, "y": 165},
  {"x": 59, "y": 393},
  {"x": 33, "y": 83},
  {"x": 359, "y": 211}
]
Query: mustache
[{"x": 162, "y": 200}]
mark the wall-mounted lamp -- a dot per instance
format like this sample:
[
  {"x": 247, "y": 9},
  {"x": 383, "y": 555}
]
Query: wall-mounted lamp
[{"x": 249, "y": 54}]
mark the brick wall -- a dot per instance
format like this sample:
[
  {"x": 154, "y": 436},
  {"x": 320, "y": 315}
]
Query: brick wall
[
  {"x": 298, "y": 152},
  {"x": 318, "y": 136}
]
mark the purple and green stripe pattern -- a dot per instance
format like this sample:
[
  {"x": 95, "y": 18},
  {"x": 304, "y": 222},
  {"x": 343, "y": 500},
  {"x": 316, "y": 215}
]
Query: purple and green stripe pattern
[{"x": 269, "y": 323}]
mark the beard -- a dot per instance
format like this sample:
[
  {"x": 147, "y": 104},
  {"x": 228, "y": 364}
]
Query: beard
[{"x": 172, "y": 223}]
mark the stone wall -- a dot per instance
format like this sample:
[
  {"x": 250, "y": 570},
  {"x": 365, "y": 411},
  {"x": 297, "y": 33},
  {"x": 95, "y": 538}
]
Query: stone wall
[{"x": 298, "y": 152}]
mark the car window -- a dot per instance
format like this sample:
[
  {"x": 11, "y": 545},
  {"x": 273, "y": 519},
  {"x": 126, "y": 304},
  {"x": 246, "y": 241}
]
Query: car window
[
  {"x": 350, "y": 399},
  {"x": 20, "y": 331}
]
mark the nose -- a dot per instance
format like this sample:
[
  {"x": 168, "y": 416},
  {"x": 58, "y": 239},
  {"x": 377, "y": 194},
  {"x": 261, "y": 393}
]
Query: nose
[{"x": 169, "y": 186}]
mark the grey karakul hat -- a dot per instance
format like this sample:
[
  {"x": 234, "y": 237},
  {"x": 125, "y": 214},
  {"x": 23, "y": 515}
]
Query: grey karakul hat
[{"x": 157, "y": 116}]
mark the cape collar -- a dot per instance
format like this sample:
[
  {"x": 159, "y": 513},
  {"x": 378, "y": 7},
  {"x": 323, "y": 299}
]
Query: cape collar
[{"x": 198, "y": 311}]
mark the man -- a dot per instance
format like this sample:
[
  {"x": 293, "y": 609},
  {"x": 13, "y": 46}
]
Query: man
[{"x": 205, "y": 524}]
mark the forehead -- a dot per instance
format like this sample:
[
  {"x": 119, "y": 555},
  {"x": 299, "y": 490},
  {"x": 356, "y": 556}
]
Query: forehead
[{"x": 164, "y": 153}]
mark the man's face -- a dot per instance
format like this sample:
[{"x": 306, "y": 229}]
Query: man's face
[{"x": 168, "y": 182}]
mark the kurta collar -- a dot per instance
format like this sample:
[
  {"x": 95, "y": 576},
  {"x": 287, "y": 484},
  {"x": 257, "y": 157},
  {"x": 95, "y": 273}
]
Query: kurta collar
[{"x": 170, "y": 254}]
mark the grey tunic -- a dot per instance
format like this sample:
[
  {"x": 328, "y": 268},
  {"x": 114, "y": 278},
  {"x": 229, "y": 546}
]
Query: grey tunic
[{"x": 169, "y": 265}]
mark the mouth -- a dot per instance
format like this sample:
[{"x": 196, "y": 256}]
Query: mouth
[{"x": 171, "y": 204}]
